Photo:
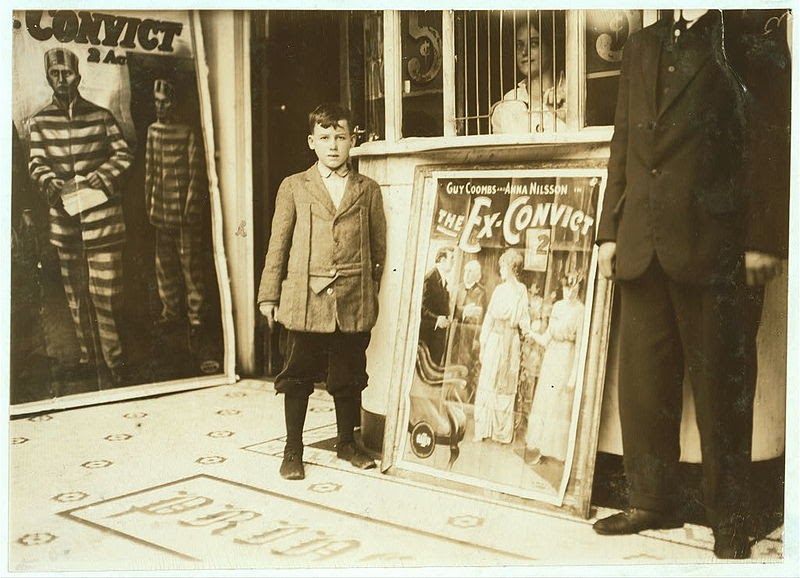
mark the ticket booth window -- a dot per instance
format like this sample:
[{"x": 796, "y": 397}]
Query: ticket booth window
[
  {"x": 480, "y": 73},
  {"x": 510, "y": 74}
]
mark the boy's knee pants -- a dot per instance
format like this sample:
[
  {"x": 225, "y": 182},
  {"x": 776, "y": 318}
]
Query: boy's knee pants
[{"x": 338, "y": 359}]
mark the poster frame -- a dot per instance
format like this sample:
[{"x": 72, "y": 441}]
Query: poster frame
[
  {"x": 227, "y": 375},
  {"x": 576, "y": 498}
]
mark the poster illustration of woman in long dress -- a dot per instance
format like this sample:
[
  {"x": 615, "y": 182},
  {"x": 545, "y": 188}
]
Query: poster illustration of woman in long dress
[
  {"x": 550, "y": 416},
  {"x": 506, "y": 316}
]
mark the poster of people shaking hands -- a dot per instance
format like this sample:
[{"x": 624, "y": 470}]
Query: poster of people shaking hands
[{"x": 496, "y": 391}]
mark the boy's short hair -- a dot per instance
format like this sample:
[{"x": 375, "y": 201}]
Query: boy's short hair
[{"x": 329, "y": 114}]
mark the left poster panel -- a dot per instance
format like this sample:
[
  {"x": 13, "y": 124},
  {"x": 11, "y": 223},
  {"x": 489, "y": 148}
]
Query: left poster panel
[{"x": 118, "y": 276}]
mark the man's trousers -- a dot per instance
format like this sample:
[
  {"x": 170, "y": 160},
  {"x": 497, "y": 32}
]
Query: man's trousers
[
  {"x": 710, "y": 331},
  {"x": 179, "y": 272},
  {"x": 93, "y": 285}
]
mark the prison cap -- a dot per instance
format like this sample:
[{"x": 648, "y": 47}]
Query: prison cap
[
  {"x": 161, "y": 86},
  {"x": 62, "y": 56}
]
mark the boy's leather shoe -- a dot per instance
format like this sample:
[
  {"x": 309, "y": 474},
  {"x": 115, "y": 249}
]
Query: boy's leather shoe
[
  {"x": 350, "y": 452},
  {"x": 292, "y": 466},
  {"x": 731, "y": 542},
  {"x": 635, "y": 520}
]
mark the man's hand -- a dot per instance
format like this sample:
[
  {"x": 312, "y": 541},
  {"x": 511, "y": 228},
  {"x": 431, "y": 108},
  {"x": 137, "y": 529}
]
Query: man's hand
[
  {"x": 472, "y": 311},
  {"x": 268, "y": 310},
  {"x": 442, "y": 322},
  {"x": 607, "y": 259},
  {"x": 761, "y": 267},
  {"x": 53, "y": 190},
  {"x": 95, "y": 181}
]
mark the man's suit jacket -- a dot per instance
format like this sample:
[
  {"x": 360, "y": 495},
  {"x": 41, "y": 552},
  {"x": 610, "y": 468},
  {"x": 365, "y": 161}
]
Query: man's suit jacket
[
  {"x": 324, "y": 264},
  {"x": 435, "y": 302},
  {"x": 701, "y": 175}
]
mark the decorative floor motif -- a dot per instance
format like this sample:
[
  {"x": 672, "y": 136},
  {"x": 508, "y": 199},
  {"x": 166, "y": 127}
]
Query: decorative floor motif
[
  {"x": 193, "y": 517},
  {"x": 70, "y": 497},
  {"x": 95, "y": 464},
  {"x": 36, "y": 539},
  {"x": 210, "y": 460}
]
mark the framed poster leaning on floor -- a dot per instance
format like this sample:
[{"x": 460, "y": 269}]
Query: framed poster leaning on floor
[
  {"x": 119, "y": 281},
  {"x": 506, "y": 323}
]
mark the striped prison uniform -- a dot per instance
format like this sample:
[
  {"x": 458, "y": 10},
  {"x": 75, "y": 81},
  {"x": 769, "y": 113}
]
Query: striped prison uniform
[
  {"x": 81, "y": 140},
  {"x": 175, "y": 194}
]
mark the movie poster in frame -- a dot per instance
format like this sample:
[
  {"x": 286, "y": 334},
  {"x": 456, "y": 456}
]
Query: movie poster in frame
[
  {"x": 119, "y": 281},
  {"x": 500, "y": 383}
]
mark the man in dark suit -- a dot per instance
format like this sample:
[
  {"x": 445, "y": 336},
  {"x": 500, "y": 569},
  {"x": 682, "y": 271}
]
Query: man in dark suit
[
  {"x": 436, "y": 305},
  {"x": 694, "y": 222}
]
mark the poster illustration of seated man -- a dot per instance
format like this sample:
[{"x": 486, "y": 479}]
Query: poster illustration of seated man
[
  {"x": 116, "y": 279},
  {"x": 508, "y": 267}
]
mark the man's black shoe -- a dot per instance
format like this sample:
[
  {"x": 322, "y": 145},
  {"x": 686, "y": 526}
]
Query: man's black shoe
[
  {"x": 350, "y": 452},
  {"x": 633, "y": 521},
  {"x": 731, "y": 543},
  {"x": 292, "y": 466}
]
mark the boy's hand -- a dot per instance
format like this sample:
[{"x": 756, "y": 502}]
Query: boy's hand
[{"x": 268, "y": 310}]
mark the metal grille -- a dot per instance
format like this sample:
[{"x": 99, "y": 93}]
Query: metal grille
[{"x": 509, "y": 71}]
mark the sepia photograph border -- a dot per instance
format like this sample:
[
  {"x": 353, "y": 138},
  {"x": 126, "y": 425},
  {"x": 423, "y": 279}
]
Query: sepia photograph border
[{"x": 787, "y": 566}]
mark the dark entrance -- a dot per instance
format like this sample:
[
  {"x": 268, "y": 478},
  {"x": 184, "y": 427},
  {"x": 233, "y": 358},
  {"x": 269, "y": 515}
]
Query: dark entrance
[{"x": 295, "y": 67}]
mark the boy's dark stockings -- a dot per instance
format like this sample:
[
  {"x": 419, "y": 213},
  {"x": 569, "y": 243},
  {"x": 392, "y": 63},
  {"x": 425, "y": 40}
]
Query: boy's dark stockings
[
  {"x": 348, "y": 409},
  {"x": 294, "y": 409}
]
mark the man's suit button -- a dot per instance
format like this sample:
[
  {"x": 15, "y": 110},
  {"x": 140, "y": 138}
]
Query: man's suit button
[
  {"x": 671, "y": 68},
  {"x": 654, "y": 172},
  {"x": 329, "y": 291}
]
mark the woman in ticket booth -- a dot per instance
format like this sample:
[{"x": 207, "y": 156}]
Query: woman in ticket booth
[{"x": 536, "y": 102}]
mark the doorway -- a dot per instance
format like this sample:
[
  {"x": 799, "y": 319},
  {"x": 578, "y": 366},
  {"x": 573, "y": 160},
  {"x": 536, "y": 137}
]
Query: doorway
[{"x": 295, "y": 67}]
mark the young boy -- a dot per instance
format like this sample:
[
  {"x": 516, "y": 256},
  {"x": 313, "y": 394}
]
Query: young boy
[{"x": 321, "y": 279}]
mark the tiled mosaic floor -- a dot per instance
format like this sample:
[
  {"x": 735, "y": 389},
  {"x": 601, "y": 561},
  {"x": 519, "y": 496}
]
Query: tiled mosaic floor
[{"x": 190, "y": 481}]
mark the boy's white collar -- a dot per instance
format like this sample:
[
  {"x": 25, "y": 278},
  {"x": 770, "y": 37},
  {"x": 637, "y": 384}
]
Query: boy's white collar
[{"x": 326, "y": 172}]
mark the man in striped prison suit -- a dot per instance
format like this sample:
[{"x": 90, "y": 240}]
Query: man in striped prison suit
[
  {"x": 175, "y": 195},
  {"x": 73, "y": 137}
]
